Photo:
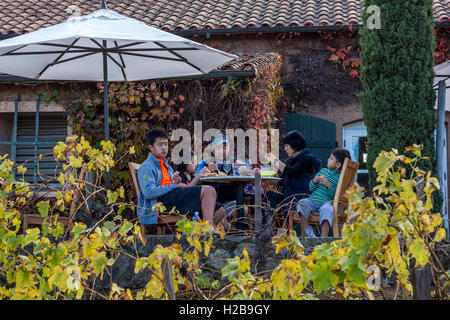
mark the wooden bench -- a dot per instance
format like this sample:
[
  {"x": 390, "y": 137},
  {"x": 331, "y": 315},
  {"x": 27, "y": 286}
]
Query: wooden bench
[
  {"x": 164, "y": 220},
  {"x": 36, "y": 219},
  {"x": 340, "y": 202}
]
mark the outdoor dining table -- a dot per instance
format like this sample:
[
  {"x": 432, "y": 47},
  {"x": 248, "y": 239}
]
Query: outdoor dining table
[{"x": 240, "y": 181}]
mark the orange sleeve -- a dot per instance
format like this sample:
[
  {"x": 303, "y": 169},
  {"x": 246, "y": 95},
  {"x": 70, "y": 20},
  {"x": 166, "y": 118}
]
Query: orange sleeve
[{"x": 165, "y": 174}]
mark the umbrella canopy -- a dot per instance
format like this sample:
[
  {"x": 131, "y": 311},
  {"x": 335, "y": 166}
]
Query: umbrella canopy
[{"x": 73, "y": 50}]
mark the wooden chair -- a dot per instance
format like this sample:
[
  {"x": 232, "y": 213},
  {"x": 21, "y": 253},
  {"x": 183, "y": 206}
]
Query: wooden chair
[
  {"x": 164, "y": 219},
  {"x": 37, "y": 219},
  {"x": 340, "y": 202}
]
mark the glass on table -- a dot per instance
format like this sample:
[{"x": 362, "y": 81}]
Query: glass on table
[{"x": 227, "y": 168}]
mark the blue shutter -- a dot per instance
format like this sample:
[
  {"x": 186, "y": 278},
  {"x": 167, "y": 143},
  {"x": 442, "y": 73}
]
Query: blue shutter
[{"x": 52, "y": 128}]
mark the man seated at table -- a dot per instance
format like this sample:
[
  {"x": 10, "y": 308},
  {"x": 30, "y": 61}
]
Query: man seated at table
[
  {"x": 158, "y": 183},
  {"x": 226, "y": 192}
]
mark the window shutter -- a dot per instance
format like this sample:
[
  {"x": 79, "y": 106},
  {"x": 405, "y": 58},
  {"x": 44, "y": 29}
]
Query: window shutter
[{"x": 52, "y": 128}]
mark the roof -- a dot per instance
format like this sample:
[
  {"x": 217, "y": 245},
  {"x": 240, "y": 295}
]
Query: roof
[{"x": 19, "y": 16}]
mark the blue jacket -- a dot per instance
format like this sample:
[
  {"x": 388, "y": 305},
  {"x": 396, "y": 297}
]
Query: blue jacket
[
  {"x": 298, "y": 173},
  {"x": 149, "y": 178},
  {"x": 203, "y": 164}
]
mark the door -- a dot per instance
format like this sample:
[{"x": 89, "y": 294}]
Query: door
[
  {"x": 355, "y": 141},
  {"x": 320, "y": 134}
]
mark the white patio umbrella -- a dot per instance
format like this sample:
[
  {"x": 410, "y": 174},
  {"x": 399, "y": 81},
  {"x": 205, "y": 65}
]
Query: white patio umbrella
[{"x": 106, "y": 46}]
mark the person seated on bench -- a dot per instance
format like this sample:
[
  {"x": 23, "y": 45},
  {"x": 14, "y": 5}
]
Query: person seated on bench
[
  {"x": 323, "y": 187},
  {"x": 158, "y": 183}
]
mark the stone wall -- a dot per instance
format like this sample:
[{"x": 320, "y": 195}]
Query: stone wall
[{"x": 122, "y": 271}]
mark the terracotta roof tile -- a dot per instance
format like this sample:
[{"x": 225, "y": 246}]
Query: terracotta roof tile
[{"x": 25, "y": 16}]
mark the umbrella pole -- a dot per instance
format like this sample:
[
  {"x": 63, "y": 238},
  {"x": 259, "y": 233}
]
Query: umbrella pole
[{"x": 105, "y": 104}]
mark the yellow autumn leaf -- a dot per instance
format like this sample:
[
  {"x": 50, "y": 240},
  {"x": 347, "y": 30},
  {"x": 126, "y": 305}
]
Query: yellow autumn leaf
[
  {"x": 154, "y": 288},
  {"x": 440, "y": 234},
  {"x": 207, "y": 248},
  {"x": 61, "y": 179},
  {"x": 21, "y": 169},
  {"x": 68, "y": 196},
  {"x": 419, "y": 251},
  {"x": 197, "y": 244},
  {"x": 76, "y": 162},
  {"x": 121, "y": 192}
]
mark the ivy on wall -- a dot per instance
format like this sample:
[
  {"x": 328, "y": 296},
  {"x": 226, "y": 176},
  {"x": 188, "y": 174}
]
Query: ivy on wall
[
  {"x": 137, "y": 107},
  {"x": 442, "y": 35}
]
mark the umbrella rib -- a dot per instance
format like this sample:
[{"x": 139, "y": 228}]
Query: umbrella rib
[
  {"x": 446, "y": 78},
  {"x": 120, "y": 56},
  {"x": 118, "y": 64},
  {"x": 123, "y": 63},
  {"x": 88, "y": 48},
  {"x": 156, "y": 49},
  {"x": 150, "y": 56},
  {"x": 10, "y": 52},
  {"x": 181, "y": 57},
  {"x": 105, "y": 50},
  {"x": 48, "y": 52},
  {"x": 127, "y": 45},
  {"x": 67, "y": 46},
  {"x": 108, "y": 54},
  {"x": 73, "y": 58},
  {"x": 57, "y": 59},
  {"x": 112, "y": 49},
  {"x": 96, "y": 50}
]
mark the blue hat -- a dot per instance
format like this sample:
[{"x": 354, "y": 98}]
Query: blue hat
[{"x": 217, "y": 142}]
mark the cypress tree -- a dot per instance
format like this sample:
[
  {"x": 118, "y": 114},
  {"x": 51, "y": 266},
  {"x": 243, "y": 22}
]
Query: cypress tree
[{"x": 397, "y": 75}]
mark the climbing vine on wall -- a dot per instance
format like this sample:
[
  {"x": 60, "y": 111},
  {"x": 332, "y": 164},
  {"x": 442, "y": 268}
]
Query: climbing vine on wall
[
  {"x": 347, "y": 56},
  {"x": 137, "y": 107},
  {"x": 442, "y": 35},
  {"x": 266, "y": 93}
]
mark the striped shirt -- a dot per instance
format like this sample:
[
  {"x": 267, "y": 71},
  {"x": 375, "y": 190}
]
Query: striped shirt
[{"x": 319, "y": 192}]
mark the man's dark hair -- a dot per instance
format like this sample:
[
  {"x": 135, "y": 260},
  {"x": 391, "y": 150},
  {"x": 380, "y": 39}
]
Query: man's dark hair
[
  {"x": 295, "y": 139},
  {"x": 340, "y": 155},
  {"x": 155, "y": 134}
]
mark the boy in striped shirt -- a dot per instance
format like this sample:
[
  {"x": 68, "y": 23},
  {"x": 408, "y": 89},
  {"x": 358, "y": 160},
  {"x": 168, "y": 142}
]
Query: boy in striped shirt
[{"x": 323, "y": 187}]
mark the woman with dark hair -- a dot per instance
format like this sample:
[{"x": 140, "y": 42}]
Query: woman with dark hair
[
  {"x": 297, "y": 171},
  {"x": 187, "y": 171}
]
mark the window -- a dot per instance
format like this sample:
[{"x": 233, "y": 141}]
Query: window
[{"x": 19, "y": 142}]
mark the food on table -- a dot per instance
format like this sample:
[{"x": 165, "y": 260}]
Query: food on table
[
  {"x": 215, "y": 174},
  {"x": 244, "y": 171},
  {"x": 268, "y": 173}
]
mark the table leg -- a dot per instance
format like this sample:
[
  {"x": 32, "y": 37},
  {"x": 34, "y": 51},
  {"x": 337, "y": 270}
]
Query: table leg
[
  {"x": 240, "y": 203},
  {"x": 258, "y": 213}
]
